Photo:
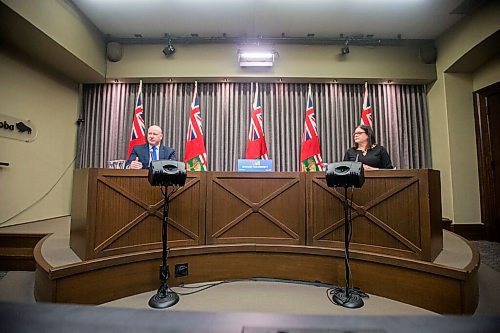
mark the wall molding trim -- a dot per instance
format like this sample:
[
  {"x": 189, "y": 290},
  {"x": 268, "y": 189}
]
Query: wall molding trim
[{"x": 469, "y": 231}]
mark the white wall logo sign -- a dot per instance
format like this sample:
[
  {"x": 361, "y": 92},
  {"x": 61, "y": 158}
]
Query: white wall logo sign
[{"x": 17, "y": 129}]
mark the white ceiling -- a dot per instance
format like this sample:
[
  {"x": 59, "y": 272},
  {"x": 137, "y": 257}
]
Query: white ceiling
[{"x": 384, "y": 19}]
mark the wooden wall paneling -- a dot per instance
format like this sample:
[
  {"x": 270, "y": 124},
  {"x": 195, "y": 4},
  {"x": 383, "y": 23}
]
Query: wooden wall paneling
[
  {"x": 244, "y": 225},
  {"x": 396, "y": 212},
  {"x": 187, "y": 213},
  {"x": 82, "y": 212},
  {"x": 138, "y": 215},
  {"x": 434, "y": 287},
  {"x": 45, "y": 289},
  {"x": 469, "y": 290},
  {"x": 470, "y": 231},
  {"x": 470, "y": 284},
  {"x": 255, "y": 208},
  {"x": 122, "y": 212},
  {"x": 16, "y": 251},
  {"x": 126, "y": 208},
  {"x": 389, "y": 214},
  {"x": 432, "y": 186},
  {"x": 108, "y": 283},
  {"x": 440, "y": 294}
]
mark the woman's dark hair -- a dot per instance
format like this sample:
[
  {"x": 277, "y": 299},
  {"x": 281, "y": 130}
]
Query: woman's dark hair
[{"x": 371, "y": 136}]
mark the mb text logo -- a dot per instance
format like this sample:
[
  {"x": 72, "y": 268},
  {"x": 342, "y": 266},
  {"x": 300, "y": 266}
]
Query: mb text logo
[
  {"x": 21, "y": 127},
  {"x": 5, "y": 125},
  {"x": 17, "y": 129}
]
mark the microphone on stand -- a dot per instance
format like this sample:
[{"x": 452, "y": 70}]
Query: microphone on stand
[{"x": 346, "y": 174}]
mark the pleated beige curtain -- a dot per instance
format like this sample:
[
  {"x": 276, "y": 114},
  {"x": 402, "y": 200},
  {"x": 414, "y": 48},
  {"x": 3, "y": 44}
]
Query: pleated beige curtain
[{"x": 400, "y": 120}]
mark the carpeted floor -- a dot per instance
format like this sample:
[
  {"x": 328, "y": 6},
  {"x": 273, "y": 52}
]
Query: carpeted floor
[{"x": 490, "y": 253}]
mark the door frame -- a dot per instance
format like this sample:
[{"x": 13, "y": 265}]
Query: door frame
[{"x": 485, "y": 160}]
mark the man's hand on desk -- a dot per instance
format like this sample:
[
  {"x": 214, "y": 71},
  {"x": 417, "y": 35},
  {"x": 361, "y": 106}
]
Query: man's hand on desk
[{"x": 135, "y": 164}]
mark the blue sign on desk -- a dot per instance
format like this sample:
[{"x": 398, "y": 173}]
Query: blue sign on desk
[{"x": 255, "y": 165}]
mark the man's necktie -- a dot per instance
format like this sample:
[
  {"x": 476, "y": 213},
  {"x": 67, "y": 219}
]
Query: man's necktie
[{"x": 155, "y": 156}]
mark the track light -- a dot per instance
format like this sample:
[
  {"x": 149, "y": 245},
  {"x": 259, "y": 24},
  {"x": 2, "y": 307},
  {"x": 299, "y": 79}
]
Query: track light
[
  {"x": 345, "y": 49},
  {"x": 169, "y": 49}
]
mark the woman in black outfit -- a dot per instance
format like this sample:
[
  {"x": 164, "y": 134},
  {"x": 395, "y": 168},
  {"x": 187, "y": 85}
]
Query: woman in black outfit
[{"x": 366, "y": 151}]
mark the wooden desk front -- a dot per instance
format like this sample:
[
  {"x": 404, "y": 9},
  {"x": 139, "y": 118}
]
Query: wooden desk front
[{"x": 396, "y": 212}]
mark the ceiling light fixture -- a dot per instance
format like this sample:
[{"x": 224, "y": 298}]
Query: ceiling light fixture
[{"x": 257, "y": 57}]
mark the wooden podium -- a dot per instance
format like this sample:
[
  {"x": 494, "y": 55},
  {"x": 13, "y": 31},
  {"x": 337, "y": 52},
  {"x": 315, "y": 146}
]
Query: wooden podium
[
  {"x": 281, "y": 225},
  {"x": 396, "y": 212}
]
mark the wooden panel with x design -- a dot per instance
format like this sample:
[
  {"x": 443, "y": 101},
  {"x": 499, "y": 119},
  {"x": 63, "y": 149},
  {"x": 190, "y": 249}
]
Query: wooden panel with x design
[
  {"x": 263, "y": 208},
  {"x": 385, "y": 215},
  {"x": 129, "y": 213}
]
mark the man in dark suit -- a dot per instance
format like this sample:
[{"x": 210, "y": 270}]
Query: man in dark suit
[{"x": 141, "y": 155}]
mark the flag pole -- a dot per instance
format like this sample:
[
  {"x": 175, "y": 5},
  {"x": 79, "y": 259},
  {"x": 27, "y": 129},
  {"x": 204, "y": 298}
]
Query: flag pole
[
  {"x": 140, "y": 90},
  {"x": 365, "y": 94}
]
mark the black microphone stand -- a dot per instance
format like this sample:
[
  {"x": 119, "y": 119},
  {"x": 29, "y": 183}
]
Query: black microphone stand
[
  {"x": 347, "y": 297},
  {"x": 165, "y": 297}
]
